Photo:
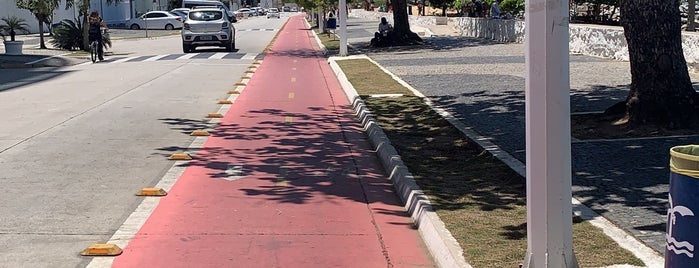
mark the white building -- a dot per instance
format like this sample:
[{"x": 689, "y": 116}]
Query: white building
[{"x": 113, "y": 14}]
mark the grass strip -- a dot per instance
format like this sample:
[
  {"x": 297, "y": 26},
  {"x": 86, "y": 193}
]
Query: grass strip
[
  {"x": 480, "y": 199},
  {"x": 328, "y": 41}
]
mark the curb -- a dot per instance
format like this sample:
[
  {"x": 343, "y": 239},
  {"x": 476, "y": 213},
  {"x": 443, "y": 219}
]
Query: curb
[{"x": 443, "y": 247}]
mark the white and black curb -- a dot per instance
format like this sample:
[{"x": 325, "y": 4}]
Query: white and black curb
[{"x": 441, "y": 244}]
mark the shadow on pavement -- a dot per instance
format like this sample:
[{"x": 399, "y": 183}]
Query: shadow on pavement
[
  {"x": 14, "y": 78},
  {"x": 295, "y": 155}
]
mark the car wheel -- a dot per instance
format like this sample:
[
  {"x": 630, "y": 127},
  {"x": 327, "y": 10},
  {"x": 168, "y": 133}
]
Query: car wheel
[
  {"x": 186, "y": 48},
  {"x": 135, "y": 27},
  {"x": 169, "y": 27},
  {"x": 230, "y": 47}
]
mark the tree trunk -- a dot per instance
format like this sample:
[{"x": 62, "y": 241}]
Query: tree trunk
[
  {"x": 41, "y": 20},
  {"x": 691, "y": 12},
  {"x": 401, "y": 27},
  {"x": 86, "y": 37},
  {"x": 661, "y": 90}
]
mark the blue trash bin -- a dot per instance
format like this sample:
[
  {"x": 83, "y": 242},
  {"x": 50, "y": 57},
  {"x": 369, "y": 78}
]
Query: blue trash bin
[{"x": 682, "y": 220}]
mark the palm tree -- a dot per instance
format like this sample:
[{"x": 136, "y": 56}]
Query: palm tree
[
  {"x": 42, "y": 10},
  {"x": 10, "y": 25}
]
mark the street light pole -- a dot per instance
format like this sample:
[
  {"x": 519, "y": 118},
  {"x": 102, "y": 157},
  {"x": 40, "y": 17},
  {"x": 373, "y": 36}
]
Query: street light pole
[{"x": 547, "y": 101}]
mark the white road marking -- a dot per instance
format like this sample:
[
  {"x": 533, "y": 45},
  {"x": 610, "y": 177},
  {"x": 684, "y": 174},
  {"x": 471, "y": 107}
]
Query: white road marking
[{"x": 154, "y": 58}]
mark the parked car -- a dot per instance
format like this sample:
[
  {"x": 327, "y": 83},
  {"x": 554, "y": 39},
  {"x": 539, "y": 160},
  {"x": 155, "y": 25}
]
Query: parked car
[
  {"x": 260, "y": 11},
  {"x": 243, "y": 12},
  {"x": 286, "y": 9},
  {"x": 273, "y": 13},
  {"x": 182, "y": 12},
  {"x": 156, "y": 20},
  {"x": 207, "y": 27}
]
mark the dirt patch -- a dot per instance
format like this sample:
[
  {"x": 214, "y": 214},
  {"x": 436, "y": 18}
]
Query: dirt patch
[{"x": 601, "y": 126}]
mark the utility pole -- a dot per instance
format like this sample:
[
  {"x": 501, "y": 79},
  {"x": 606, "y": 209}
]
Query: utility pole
[
  {"x": 343, "y": 27},
  {"x": 547, "y": 102}
]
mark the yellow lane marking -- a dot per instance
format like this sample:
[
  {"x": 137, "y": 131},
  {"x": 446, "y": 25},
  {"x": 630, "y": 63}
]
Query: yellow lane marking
[
  {"x": 295, "y": 61},
  {"x": 293, "y": 79},
  {"x": 288, "y": 119},
  {"x": 293, "y": 69},
  {"x": 291, "y": 95}
]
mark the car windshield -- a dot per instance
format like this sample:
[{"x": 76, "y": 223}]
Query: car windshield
[{"x": 205, "y": 15}]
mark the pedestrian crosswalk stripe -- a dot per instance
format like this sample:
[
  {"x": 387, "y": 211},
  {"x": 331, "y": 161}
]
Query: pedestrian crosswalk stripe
[
  {"x": 172, "y": 57},
  {"x": 141, "y": 58},
  {"x": 154, "y": 58},
  {"x": 124, "y": 59},
  {"x": 187, "y": 56},
  {"x": 192, "y": 56},
  {"x": 218, "y": 56}
]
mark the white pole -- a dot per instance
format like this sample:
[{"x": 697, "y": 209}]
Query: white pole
[
  {"x": 343, "y": 27},
  {"x": 321, "y": 23},
  {"x": 549, "y": 211}
]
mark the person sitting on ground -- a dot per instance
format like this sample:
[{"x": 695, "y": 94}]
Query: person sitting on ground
[{"x": 384, "y": 34}]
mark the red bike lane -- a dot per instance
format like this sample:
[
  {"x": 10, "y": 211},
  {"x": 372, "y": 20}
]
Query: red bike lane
[{"x": 287, "y": 179}]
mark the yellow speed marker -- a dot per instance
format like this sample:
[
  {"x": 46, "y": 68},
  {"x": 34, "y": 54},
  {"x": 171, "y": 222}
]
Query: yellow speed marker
[
  {"x": 102, "y": 250},
  {"x": 200, "y": 132},
  {"x": 152, "y": 192}
]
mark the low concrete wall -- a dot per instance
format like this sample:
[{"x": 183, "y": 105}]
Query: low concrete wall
[{"x": 505, "y": 31}]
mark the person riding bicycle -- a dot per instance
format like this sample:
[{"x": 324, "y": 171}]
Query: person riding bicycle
[{"x": 95, "y": 32}]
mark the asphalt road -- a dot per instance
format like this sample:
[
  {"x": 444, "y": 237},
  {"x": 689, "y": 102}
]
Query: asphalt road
[{"x": 78, "y": 142}]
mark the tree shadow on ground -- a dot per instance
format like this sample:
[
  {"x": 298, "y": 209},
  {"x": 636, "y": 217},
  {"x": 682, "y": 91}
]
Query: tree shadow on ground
[
  {"x": 299, "y": 157},
  {"x": 624, "y": 180},
  {"x": 15, "y": 78},
  {"x": 440, "y": 43}
]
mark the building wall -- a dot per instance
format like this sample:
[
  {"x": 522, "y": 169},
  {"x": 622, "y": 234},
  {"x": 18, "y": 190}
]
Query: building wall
[{"x": 115, "y": 13}]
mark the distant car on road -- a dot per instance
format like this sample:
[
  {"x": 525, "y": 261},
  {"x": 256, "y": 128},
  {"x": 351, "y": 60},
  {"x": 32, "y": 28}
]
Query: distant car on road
[
  {"x": 273, "y": 13},
  {"x": 294, "y": 9},
  {"x": 182, "y": 12},
  {"x": 286, "y": 9},
  {"x": 207, "y": 27},
  {"x": 243, "y": 12},
  {"x": 156, "y": 20}
]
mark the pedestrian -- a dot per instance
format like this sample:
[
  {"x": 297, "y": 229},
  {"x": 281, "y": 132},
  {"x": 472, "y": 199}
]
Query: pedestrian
[
  {"x": 471, "y": 8},
  {"x": 95, "y": 32},
  {"x": 479, "y": 8},
  {"x": 495, "y": 12}
]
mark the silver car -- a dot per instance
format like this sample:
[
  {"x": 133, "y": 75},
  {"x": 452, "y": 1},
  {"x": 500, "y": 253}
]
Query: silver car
[
  {"x": 207, "y": 27},
  {"x": 273, "y": 13},
  {"x": 156, "y": 20}
]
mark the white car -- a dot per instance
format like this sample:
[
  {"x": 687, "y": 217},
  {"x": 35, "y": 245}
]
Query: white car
[
  {"x": 243, "y": 12},
  {"x": 207, "y": 27},
  {"x": 273, "y": 12},
  {"x": 156, "y": 20}
]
